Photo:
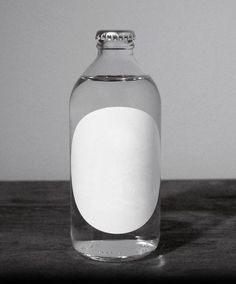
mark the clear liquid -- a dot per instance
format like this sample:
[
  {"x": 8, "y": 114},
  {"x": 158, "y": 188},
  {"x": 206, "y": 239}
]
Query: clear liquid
[{"x": 89, "y": 94}]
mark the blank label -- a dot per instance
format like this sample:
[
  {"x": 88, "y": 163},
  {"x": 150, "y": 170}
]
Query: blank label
[{"x": 115, "y": 168}]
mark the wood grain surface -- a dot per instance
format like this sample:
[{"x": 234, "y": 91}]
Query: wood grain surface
[{"x": 198, "y": 234}]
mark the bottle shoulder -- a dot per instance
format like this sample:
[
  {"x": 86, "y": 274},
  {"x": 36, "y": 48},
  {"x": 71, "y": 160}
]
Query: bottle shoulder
[
  {"x": 115, "y": 76},
  {"x": 113, "y": 64}
]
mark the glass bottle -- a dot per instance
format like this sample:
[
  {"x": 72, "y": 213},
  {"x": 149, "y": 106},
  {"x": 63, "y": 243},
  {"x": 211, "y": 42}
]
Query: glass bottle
[{"x": 115, "y": 126}]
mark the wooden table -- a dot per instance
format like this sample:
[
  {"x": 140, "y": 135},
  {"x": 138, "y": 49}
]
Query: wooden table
[{"x": 198, "y": 234}]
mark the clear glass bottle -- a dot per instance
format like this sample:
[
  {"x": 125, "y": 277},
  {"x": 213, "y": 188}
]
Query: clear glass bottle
[{"x": 115, "y": 126}]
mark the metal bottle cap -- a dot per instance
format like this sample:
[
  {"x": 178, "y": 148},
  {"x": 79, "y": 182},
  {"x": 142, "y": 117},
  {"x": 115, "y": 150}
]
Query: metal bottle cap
[{"x": 114, "y": 35}]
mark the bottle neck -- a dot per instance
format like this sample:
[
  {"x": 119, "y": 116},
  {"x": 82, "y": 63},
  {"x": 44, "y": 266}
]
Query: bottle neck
[
  {"x": 114, "y": 58},
  {"x": 115, "y": 52},
  {"x": 115, "y": 48}
]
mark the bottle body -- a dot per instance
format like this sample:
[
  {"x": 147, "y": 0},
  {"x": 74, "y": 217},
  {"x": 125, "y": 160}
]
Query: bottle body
[{"x": 115, "y": 126}]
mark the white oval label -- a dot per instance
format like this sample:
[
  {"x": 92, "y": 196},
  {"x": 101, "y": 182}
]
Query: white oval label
[{"x": 115, "y": 168}]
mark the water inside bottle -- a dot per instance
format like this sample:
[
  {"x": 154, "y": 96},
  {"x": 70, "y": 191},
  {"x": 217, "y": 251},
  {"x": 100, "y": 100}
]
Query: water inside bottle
[{"x": 107, "y": 91}]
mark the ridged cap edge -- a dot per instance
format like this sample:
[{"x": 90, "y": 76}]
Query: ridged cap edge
[{"x": 114, "y": 35}]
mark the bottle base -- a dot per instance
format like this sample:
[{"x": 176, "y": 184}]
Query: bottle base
[{"x": 115, "y": 250}]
